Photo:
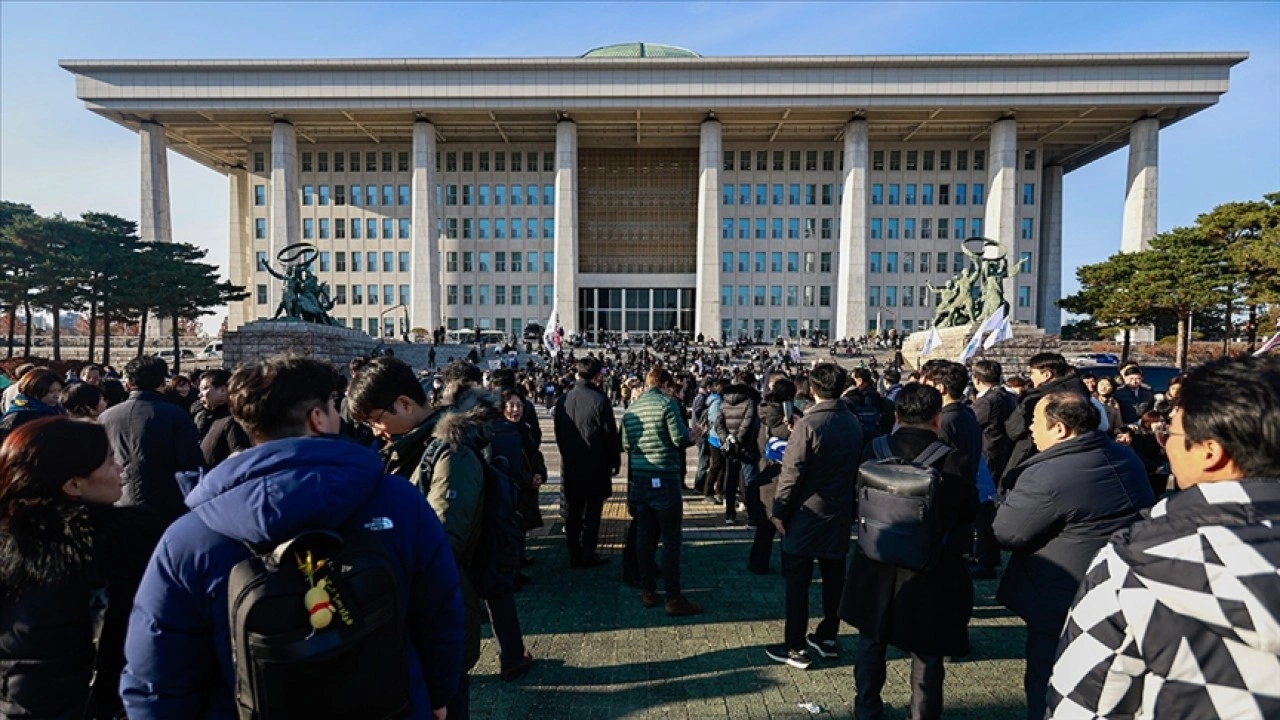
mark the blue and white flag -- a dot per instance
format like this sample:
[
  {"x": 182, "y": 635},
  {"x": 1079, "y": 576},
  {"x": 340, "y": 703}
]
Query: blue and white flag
[
  {"x": 971, "y": 349},
  {"x": 1268, "y": 345},
  {"x": 551, "y": 335},
  {"x": 1002, "y": 333},
  {"x": 992, "y": 322},
  {"x": 931, "y": 343}
]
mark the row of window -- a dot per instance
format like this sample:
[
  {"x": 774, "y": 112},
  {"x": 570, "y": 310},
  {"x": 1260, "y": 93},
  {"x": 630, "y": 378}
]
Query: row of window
[
  {"x": 962, "y": 196},
  {"x": 775, "y": 262},
  {"x": 482, "y": 294},
  {"x": 940, "y": 265},
  {"x": 337, "y": 261},
  {"x": 746, "y": 296},
  {"x": 926, "y": 296},
  {"x": 519, "y": 261},
  {"x": 495, "y": 195},
  {"x": 496, "y": 228},
  {"x": 905, "y": 228},
  {"x": 771, "y": 228},
  {"x": 391, "y": 294},
  {"x": 336, "y": 228},
  {"x": 388, "y": 161},
  {"x": 755, "y": 328},
  {"x": 765, "y": 194}
]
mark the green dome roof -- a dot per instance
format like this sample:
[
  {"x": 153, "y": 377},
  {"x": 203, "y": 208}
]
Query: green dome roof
[{"x": 639, "y": 50}]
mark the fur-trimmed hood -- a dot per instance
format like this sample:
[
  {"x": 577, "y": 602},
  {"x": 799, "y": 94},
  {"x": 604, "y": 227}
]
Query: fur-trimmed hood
[
  {"x": 468, "y": 421},
  {"x": 44, "y": 544}
]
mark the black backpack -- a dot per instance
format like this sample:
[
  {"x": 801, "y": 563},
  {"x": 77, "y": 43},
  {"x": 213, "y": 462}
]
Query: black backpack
[
  {"x": 898, "y": 513},
  {"x": 289, "y": 662},
  {"x": 499, "y": 539},
  {"x": 867, "y": 408}
]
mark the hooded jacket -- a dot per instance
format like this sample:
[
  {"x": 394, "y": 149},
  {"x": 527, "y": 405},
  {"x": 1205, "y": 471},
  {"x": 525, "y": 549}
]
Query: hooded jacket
[
  {"x": 1177, "y": 614},
  {"x": 178, "y": 648},
  {"x": 64, "y": 568},
  {"x": 23, "y": 410},
  {"x": 739, "y": 418}
]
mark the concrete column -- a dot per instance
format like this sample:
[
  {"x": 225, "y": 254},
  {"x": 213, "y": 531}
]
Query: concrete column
[
  {"x": 286, "y": 220},
  {"x": 707, "y": 316},
  {"x": 424, "y": 310},
  {"x": 851, "y": 287},
  {"x": 1000, "y": 221},
  {"x": 1140, "y": 198},
  {"x": 155, "y": 224},
  {"x": 566, "y": 221},
  {"x": 240, "y": 258},
  {"x": 1049, "y": 264}
]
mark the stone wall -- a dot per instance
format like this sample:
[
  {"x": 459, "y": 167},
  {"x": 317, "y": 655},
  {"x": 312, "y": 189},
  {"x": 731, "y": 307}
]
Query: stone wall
[
  {"x": 257, "y": 340},
  {"x": 1012, "y": 354}
]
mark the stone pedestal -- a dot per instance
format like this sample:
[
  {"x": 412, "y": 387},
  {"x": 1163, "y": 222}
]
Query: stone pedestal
[
  {"x": 257, "y": 340},
  {"x": 1012, "y": 354}
]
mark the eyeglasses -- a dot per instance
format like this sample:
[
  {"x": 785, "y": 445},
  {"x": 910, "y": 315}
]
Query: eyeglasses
[{"x": 1164, "y": 433}]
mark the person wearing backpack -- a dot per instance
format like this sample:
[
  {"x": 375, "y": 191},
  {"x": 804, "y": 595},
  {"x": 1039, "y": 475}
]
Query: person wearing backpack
[
  {"x": 813, "y": 511},
  {"x": 921, "y": 611},
  {"x": 398, "y": 652},
  {"x": 874, "y": 413}
]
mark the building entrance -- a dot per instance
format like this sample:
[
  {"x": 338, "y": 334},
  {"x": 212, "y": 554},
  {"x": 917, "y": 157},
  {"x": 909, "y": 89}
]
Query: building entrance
[{"x": 636, "y": 311}]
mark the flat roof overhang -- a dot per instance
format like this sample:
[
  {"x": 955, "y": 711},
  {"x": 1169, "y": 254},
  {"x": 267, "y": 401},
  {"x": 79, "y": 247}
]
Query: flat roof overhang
[{"x": 1078, "y": 107}]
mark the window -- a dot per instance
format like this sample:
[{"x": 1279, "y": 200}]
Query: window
[
  {"x": 908, "y": 299},
  {"x": 500, "y": 262},
  {"x": 403, "y": 229},
  {"x": 499, "y": 294},
  {"x": 826, "y": 228},
  {"x": 909, "y": 229},
  {"x": 548, "y": 262},
  {"x": 793, "y": 228},
  {"x": 726, "y": 195},
  {"x": 758, "y": 296},
  {"x": 340, "y": 261},
  {"x": 977, "y": 226},
  {"x": 484, "y": 294},
  {"x": 810, "y": 194},
  {"x": 259, "y": 228},
  {"x": 762, "y": 194},
  {"x": 1027, "y": 224},
  {"x": 794, "y": 158},
  {"x": 944, "y": 160},
  {"x": 793, "y": 262},
  {"x": 729, "y": 158},
  {"x": 928, "y": 160},
  {"x": 891, "y": 262},
  {"x": 340, "y": 228},
  {"x": 357, "y": 196},
  {"x": 873, "y": 296},
  {"x": 451, "y": 294},
  {"x": 308, "y": 229},
  {"x": 1028, "y": 159},
  {"x": 306, "y": 162},
  {"x": 828, "y": 193},
  {"x": 877, "y": 194},
  {"x": 977, "y": 193},
  {"x": 1029, "y": 194},
  {"x": 372, "y": 294},
  {"x": 517, "y": 295},
  {"x": 826, "y": 262},
  {"x": 876, "y": 226},
  {"x": 874, "y": 264},
  {"x": 891, "y": 296},
  {"x": 548, "y": 293},
  {"x": 262, "y": 294},
  {"x": 468, "y": 295},
  {"x": 356, "y": 259},
  {"x": 726, "y": 229},
  {"x": 943, "y": 228},
  {"x": 451, "y": 261},
  {"x": 726, "y": 262},
  {"x": 824, "y": 296},
  {"x": 517, "y": 262},
  {"x": 1024, "y": 296},
  {"x": 308, "y": 195},
  {"x": 260, "y": 195},
  {"x": 516, "y": 162},
  {"x": 895, "y": 160},
  {"x": 811, "y": 160},
  {"x": 979, "y": 163},
  {"x": 468, "y": 228},
  {"x": 877, "y": 160},
  {"x": 388, "y": 294},
  {"x": 793, "y": 194},
  {"x": 828, "y": 160},
  {"x": 339, "y": 291},
  {"x": 451, "y": 228},
  {"x": 944, "y": 194},
  {"x": 744, "y": 194},
  {"x": 924, "y": 262},
  {"x": 531, "y": 295},
  {"x": 957, "y": 262},
  {"x": 371, "y": 194},
  {"x": 959, "y": 229},
  {"x": 357, "y": 294},
  {"x": 388, "y": 195},
  {"x": 387, "y": 232},
  {"x": 388, "y": 262},
  {"x": 517, "y": 193},
  {"x": 744, "y": 231},
  {"x": 548, "y": 194},
  {"x": 484, "y": 262},
  {"x": 942, "y": 262},
  {"x": 259, "y": 162},
  {"x": 777, "y": 194},
  {"x": 339, "y": 194},
  {"x": 467, "y": 195},
  {"x": 911, "y": 160},
  {"x": 911, "y": 194},
  {"x": 793, "y": 295},
  {"x": 402, "y": 195},
  {"x": 775, "y": 262},
  {"x": 908, "y": 262},
  {"x": 809, "y": 263},
  {"x": 371, "y": 261},
  {"x": 468, "y": 261},
  {"x": 962, "y": 160},
  {"x": 532, "y": 264},
  {"x": 484, "y": 228},
  {"x": 926, "y": 228},
  {"x": 499, "y": 194},
  {"x": 960, "y": 193},
  {"x": 893, "y": 228},
  {"x": 531, "y": 197},
  {"x": 484, "y": 161},
  {"x": 324, "y": 228},
  {"x": 926, "y": 194},
  {"x": 1024, "y": 263}
]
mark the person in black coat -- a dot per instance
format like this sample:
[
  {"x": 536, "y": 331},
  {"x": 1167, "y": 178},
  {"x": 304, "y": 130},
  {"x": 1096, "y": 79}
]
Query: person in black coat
[
  {"x": 1070, "y": 498},
  {"x": 925, "y": 613},
  {"x": 71, "y": 567},
  {"x": 738, "y": 427},
  {"x": 591, "y": 454},
  {"x": 813, "y": 511},
  {"x": 777, "y": 416},
  {"x": 221, "y": 435},
  {"x": 153, "y": 439},
  {"x": 1049, "y": 373},
  {"x": 1134, "y": 397},
  {"x": 991, "y": 407}
]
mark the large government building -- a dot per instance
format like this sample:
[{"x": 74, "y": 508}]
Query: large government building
[{"x": 643, "y": 187}]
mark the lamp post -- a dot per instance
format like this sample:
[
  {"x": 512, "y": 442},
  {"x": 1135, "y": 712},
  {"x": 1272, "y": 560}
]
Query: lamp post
[{"x": 401, "y": 306}]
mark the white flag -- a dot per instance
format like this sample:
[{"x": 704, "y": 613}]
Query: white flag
[
  {"x": 931, "y": 343},
  {"x": 971, "y": 349},
  {"x": 992, "y": 322},
  {"x": 1002, "y": 333},
  {"x": 1268, "y": 345},
  {"x": 551, "y": 335}
]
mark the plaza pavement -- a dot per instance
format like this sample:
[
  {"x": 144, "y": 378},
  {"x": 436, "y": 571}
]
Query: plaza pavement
[{"x": 602, "y": 655}]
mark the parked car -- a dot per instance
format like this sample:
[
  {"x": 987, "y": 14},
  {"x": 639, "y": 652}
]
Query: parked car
[
  {"x": 167, "y": 354},
  {"x": 212, "y": 351},
  {"x": 1156, "y": 376}
]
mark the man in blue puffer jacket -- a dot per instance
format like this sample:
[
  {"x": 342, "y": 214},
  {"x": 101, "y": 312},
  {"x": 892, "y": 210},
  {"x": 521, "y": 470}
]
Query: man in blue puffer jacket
[{"x": 297, "y": 477}]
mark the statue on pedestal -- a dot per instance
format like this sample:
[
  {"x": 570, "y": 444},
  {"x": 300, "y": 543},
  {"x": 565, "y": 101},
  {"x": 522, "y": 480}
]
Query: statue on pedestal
[
  {"x": 975, "y": 293},
  {"x": 304, "y": 297}
]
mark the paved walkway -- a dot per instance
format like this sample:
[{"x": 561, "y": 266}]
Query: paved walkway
[{"x": 602, "y": 655}]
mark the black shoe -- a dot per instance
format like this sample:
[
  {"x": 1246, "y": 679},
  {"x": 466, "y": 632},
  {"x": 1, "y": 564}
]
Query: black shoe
[
  {"x": 593, "y": 561},
  {"x": 798, "y": 659},
  {"x": 758, "y": 570},
  {"x": 827, "y": 649},
  {"x": 731, "y": 521}
]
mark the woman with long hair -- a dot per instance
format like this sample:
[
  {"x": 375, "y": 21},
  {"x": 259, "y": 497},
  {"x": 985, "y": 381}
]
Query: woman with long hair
[
  {"x": 39, "y": 391},
  {"x": 70, "y": 563},
  {"x": 83, "y": 401}
]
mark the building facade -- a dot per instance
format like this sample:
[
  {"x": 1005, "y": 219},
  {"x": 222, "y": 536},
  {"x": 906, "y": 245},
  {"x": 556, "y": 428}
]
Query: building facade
[{"x": 643, "y": 188}]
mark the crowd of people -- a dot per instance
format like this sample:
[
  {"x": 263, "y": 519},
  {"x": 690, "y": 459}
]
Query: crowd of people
[{"x": 144, "y": 519}]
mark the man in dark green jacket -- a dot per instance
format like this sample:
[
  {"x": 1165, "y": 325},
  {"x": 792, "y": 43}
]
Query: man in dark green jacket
[{"x": 655, "y": 437}]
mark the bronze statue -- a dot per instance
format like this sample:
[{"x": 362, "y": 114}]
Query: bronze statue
[
  {"x": 976, "y": 292},
  {"x": 304, "y": 298}
]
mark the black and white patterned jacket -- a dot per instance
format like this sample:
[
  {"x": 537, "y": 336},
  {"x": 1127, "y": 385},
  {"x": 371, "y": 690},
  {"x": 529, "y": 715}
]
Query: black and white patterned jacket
[{"x": 1179, "y": 615}]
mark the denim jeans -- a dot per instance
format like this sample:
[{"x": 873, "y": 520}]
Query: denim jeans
[
  {"x": 736, "y": 474},
  {"x": 654, "y": 519}
]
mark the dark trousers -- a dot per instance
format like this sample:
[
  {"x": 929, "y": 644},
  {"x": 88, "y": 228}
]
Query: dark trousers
[
  {"x": 651, "y": 524},
  {"x": 986, "y": 550},
  {"x": 798, "y": 572},
  {"x": 927, "y": 673},
  {"x": 714, "y": 484},
  {"x": 736, "y": 474},
  {"x": 505, "y": 624},
  {"x": 582, "y": 526},
  {"x": 704, "y": 464},
  {"x": 460, "y": 706},
  {"x": 1042, "y": 648},
  {"x": 762, "y": 543}
]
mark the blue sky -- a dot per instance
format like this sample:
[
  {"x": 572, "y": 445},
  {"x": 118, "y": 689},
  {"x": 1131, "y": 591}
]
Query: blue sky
[{"x": 59, "y": 157}]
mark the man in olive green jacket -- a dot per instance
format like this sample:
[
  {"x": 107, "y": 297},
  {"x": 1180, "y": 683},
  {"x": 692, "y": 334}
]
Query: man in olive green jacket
[{"x": 655, "y": 436}]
